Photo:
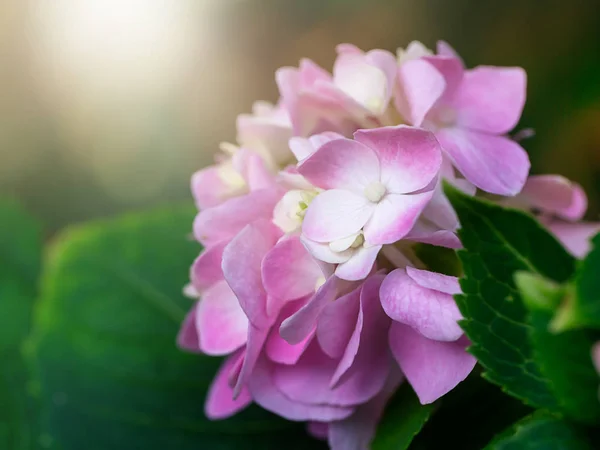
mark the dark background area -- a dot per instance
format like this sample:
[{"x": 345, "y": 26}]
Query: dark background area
[{"x": 111, "y": 105}]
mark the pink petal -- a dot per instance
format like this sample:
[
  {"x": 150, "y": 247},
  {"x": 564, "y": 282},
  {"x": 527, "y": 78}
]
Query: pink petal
[
  {"x": 241, "y": 265},
  {"x": 418, "y": 88},
  {"x": 336, "y": 214},
  {"x": 289, "y": 271},
  {"x": 253, "y": 168},
  {"x": 302, "y": 148},
  {"x": 337, "y": 322},
  {"x": 490, "y": 99},
  {"x": 429, "y": 312},
  {"x": 444, "y": 49},
  {"x": 209, "y": 189},
  {"x": 366, "y": 78},
  {"x": 428, "y": 234},
  {"x": 494, "y": 164},
  {"x": 206, "y": 269},
  {"x": 318, "y": 430},
  {"x": 574, "y": 236},
  {"x": 436, "y": 281},
  {"x": 394, "y": 216},
  {"x": 433, "y": 368},
  {"x": 359, "y": 265},
  {"x": 357, "y": 431},
  {"x": 220, "y": 403},
  {"x": 260, "y": 134},
  {"x": 308, "y": 381},
  {"x": 223, "y": 222},
  {"x": 296, "y": 328},
  {"x": 265, "y": 392},
  {"x": 366, "y": 347},
  {"x": 410, "y": 158},
  {"x": 277, "y": 349},
  {"x": 341, "y": 164},
  {"x": 220, "y": 321},
  {"x": 452, "y": 70},
  {"x": 555, "y": 194},
  {"x": 596, "y": 356},
  {"x": 187, "y": 338},
  {"x": 256, "y": 341}
]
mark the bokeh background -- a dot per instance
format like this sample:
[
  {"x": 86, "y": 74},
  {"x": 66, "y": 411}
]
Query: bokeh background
[{"x": 110, "y": 105}]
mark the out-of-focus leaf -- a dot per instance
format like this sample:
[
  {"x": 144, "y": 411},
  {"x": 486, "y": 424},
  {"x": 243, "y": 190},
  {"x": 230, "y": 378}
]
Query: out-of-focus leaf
[
  {"x": 105, "y": 345},
  {"x": 20, "y": 255}
]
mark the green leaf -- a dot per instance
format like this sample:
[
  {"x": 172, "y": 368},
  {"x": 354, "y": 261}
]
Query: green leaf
[
  {"x": 564, "y": 360},
  {"x": 583, "y": 309},
  {"x": 403, "y": 419},
  {"x": 20, "y": 256},
  {"x": 541, "y": 431},
  {"x": 469, "y": 416},
  {"x": 499, "y": 242},
  {"x": 110, "y": 372}
]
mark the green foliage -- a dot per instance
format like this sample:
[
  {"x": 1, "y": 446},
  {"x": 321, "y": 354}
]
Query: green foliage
[
  {"x": 541, "y": 431},
  {"x": 404, "y": 417},
  {"x": 20, "y": 255},
  {"x": 111, "y": 375},
  {"x": 582, "y": 310},
  {"x": 498, "y": 243}
]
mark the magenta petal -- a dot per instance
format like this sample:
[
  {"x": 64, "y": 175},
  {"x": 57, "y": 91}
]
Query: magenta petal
[
  {"x": 289, "y": 271},
  {"x": 432, "y": 368},
  {"x": 436, "y": 281},
  {"x": 337, "y": 322},
  {"x": 308, "y": 381},
  {"x": 206, "y": 269},
  {"x": 445, "y": 49},
  {"x": 220, "y": 403},
  {"x": 410, "y": 158},
  {"x": 367, "y": 345},
  {"x": 220, "y": 321},
  {"x": 282, "y": 352},
  {"x": 241, "y": 265},
  {"x": 357, "y": 431},
  {"x": 341, "y": 164},
  {"x": 318, "y": 430},
  {"x": 429, "y": 312},
  {"x": 427, "y": 234},
  {"x": 495, "y": 164},
  {"x": 574, "y": 236},
  {"x": 223, "y": 222},
  {"x": 419, "y": 86},
  {"x": 490, "y": 99},
  {"x": 555, "y": 194},
  {"x": 360, "y": 265},
  {"x": 256, "y": 341},
  {"x": 452, "y": 70},
  {"x": 265, "y": 392},
  {"x": 394, "y": 216},
  {"x": 296, "y": 328},
  {"x": 187, "y": 338}
]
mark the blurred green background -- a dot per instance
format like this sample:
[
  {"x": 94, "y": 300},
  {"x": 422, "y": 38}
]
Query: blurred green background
[{"x": 111, "y": 105}]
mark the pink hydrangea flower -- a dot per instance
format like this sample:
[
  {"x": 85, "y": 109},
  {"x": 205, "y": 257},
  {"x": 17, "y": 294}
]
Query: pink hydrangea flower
[
  {"x": 309, "y": 282},
  {"x": 470, "y": 111},
  {"x": 374, "y": 188}
]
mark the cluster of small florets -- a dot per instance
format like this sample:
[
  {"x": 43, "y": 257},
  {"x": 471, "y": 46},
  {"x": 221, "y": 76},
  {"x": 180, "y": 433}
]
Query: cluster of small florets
[{"x": 308, "y": 281}]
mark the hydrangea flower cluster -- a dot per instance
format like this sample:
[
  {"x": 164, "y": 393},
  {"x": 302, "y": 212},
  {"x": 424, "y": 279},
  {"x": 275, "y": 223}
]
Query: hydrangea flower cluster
[{"x": 309, "y": 282}]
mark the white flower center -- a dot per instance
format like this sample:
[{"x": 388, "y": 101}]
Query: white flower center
[{"x": 375, "y": 192}]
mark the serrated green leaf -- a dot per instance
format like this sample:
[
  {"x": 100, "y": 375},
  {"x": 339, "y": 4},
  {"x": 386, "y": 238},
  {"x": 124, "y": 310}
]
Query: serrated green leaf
[
  {"x": 541, "y": 431},
  {"x": 20, "y": 256},
  {"x": 403, "y": 419},
  {"x": 110, "y": 372},
  {"x": 564, "y": 360},
  {"x": 499, "y": 242},
  {"x": 583, "y": 309}
]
